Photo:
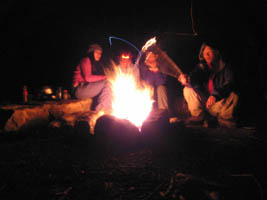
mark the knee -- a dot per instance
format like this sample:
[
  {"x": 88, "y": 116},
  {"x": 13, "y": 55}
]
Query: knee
[
  {"x": 187, "y": 91},
  {"x": 79, "y": 93}
]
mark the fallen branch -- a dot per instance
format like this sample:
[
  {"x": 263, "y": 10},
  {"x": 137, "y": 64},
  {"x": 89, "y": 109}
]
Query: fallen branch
[
  {"x": 256, "y": 181},
  {"x": 65, "y": 192},
  {"x": 153, "y": 192}
]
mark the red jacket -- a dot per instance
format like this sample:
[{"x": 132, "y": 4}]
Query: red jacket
[{"x": 83, "y": 73}]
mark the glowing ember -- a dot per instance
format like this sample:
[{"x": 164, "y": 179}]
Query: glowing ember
[
  {"x": 130, "y": 100},
  {"x": 47, "y": 90}
]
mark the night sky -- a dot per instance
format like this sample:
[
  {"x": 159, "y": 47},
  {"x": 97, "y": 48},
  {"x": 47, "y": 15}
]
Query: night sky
[{"x": 42, "y": 40}]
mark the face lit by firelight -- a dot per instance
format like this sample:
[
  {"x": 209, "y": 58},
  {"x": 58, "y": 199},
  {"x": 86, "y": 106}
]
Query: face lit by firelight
[
  {"x": 151, "y": 57},
  {"x": 97, "y": 54},
  {"x": 208, "y": 55},
  {"x": 125, "y": 60}
]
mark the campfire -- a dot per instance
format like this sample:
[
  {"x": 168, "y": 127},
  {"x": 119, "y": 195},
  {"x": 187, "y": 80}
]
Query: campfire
[{"x": 131, "y": 100}]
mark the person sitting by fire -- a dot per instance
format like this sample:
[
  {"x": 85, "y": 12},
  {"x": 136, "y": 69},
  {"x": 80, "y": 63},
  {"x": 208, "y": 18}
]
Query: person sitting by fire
[
  {"x": 150, "y": 74},
  {"x": 126, "y": 65},
  {"x": 89, "y": 80},
  {"x": 210, "y": 89}
]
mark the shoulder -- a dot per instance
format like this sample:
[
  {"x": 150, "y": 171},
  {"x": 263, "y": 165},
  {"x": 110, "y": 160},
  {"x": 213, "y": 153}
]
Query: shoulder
[
  {"x": 85, "y": 60},
  {"x": 227, "y": 70}
]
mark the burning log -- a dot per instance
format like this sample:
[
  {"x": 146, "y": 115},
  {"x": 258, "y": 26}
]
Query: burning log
[
  {"x": 122, "y": 134},
  {"x": 117, "y": 133},
  {"x": 155, "y": 128},
  {"x": 17, "y": 117}
]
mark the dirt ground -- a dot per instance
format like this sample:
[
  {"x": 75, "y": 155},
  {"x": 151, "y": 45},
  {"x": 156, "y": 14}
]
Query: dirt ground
[{"x": 172, "y": 162}]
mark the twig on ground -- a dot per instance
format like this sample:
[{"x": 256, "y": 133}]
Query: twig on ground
[
  {"x": 255, "y": 179},
  {"x": 153, "y": 192},
  {"x": 65, "y": 192}
]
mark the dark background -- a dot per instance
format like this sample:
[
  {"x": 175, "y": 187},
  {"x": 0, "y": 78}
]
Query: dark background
[{"x": 41, "y": 40}]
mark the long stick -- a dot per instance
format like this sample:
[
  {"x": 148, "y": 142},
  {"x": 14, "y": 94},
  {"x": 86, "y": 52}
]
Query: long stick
[{"x": 169, "y": 60}]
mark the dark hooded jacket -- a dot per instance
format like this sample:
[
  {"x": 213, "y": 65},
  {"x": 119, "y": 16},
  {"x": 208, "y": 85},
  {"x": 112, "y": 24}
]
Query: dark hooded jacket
[{"x": 221, "y": 76}]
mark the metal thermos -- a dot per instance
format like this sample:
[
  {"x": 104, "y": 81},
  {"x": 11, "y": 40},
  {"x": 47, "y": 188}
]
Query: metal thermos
[
  {"x": 59, "y": 93},
  {"x": 65, "y": 94}
]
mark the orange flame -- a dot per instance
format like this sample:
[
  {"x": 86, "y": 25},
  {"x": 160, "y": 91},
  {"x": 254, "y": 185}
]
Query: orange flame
[{"x": 130, "y": 101}]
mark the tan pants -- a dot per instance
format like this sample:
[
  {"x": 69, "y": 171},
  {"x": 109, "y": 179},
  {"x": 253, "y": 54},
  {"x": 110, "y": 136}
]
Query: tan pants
[
  {"x": 162, "y": 97},
  {"x": 221, "y": 109}
]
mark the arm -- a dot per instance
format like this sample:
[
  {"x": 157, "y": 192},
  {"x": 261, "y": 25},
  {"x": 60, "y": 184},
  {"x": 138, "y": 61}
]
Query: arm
[
  {"x": 184, "y": 80},
  {"x": 196, "y": 78},
  {"x": 224, "y": 84},
  {"x": 86, "y": 71},
  {"x": 136, "y": 73}
]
